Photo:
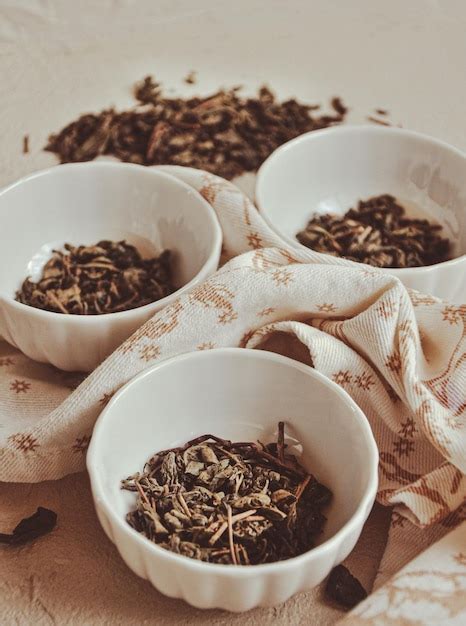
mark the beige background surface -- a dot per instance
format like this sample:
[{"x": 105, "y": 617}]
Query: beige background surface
[
  {"x": 61, "y": 58},
  {"x": 75, "y": 575}
]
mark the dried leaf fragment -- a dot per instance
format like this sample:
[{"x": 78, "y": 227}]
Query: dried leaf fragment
[
  {"x": 342, "y": 587},
  {"x": 40, "y": 523}
]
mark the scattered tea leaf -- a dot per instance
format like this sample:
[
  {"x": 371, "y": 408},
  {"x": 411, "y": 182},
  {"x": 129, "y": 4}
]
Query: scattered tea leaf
[
  {"x": 40, "y": 523},
  {"x": 190, "y": 79},
  {"x": 377, "y": 232},
  {"x": 338, "y": 106},
  {"x": 377, "y": 121},
  {"x": 342, "y": 587},
  {"x": 26, "y": 144},
  {"x": 104, "y": 278},
  {"x": 234, "y": 503},
  {"x": 223, "y": 133}
]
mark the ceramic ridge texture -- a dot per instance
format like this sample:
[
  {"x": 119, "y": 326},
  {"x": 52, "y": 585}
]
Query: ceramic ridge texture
[
  {"x": 82, "y": 203},
  {"x": 329, "y": 170}
]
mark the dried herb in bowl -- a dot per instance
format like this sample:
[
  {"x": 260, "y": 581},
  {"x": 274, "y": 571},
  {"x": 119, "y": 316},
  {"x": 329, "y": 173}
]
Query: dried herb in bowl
[
  {"x": 103, "y": 278},
  {"x": 223, "y": 133},
  {"x": 233, "y": 503},
  {"x": 378, "y": 233}
]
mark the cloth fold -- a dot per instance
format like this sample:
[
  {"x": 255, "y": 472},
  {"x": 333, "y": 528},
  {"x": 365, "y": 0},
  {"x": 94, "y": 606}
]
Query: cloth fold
[
  {"x": 399, "y": 354},
  {"x": 430, "y": 590}
]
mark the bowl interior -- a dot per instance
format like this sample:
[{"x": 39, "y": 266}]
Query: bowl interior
[
  {"x": 83, "y": 203},
  {"x": 240, "y": 395},
  {"x": 329, "y": 171}
]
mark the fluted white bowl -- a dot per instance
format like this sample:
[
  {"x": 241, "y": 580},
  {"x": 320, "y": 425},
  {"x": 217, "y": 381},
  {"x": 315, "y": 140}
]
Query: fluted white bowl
[
  {"x": 241, "y": 395},
  {"x": 328, "y": 171},
  {"x": 83, "y": 203}
]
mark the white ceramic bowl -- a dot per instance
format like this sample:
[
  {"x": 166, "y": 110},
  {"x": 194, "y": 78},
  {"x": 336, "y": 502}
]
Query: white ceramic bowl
[
  {"x": 241, "y": 395},
  {"x": 81, "y": 204},
  {"x": 330, "y": 170}
]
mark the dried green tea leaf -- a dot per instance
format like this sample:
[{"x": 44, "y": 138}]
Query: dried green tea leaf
[{"x": 223, "y": 502}]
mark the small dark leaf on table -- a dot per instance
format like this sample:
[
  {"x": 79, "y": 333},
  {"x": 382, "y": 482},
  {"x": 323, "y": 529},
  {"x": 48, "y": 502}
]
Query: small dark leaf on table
[
  {"x": 342, "y": 587},
  {"x": 40, "y": 523}
]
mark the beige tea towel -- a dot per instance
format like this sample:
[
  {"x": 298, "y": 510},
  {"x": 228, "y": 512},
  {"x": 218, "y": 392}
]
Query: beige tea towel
[
  {"x": 399, "y": 354},
  {"x": 430, "y": 591}
]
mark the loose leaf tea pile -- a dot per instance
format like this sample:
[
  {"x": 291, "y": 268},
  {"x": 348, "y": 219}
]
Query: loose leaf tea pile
[
  {"x": 223, "y": 133},
  {"x": 103, "y": 278},
  {"x": 378, "y": 233},
  {"x": 233, "y": 503}
]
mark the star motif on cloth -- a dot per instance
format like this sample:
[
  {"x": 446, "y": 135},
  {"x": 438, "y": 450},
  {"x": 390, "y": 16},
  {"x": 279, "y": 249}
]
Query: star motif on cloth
[
  {"x": 342, "y": 378},
  {"x": 364, "y": 381},
  {"x": 460, "y": 558},
  {"x": 408, "y": 428},
  {"x": 227, "y": 317},
  {"x": 20, "y": 386},
  {"x": 24, "y": 442},
  {"x": 208, "y": 345},
  {"x": 419, "y": 299},
  {"x": 254, "y": 240},
  {"x": 386, "y": 309},
  {"x": 267, "y": 311},
  {"x": 327, "y": 307},
  {"x": 453, "y": 314},
  {"x": 6, "y": 361},
  {"x": 394, "y": 362},
  {"x": 282, "y": 277},
  {"x": 246, "y": 337},
  {"x": 403, "y": 446},
  {"x": 81, "y": 444},
  {"x": 148, "y": 353},
  {"x": 211, "y": 188}
]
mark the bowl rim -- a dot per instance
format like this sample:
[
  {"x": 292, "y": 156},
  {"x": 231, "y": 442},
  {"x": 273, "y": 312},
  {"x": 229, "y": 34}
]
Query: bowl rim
[
  {"x": 262, "y": 173},
  {"x": 215, "y": 242},
  {"x": 357, "y": 518}
]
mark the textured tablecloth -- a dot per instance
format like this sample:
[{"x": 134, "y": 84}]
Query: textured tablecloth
[{"x": 59, "y": 59}]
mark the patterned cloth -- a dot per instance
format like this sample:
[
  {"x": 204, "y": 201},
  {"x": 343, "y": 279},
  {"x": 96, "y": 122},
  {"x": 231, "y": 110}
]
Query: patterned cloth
[
  {"x": 399, "y": 354},
  {"x": 431, "y": 590}
]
